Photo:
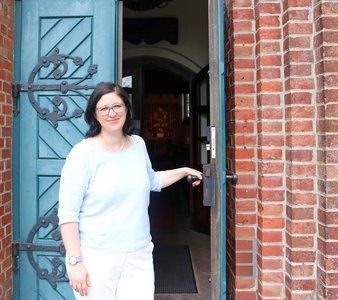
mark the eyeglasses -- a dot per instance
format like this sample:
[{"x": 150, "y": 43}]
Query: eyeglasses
[{"x": 105, "y": 110}]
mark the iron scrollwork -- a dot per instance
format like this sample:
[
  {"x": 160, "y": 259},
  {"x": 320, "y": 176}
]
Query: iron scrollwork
[
  {"x": 60, "y": 107},
  {"x": 58, "y": 272}
]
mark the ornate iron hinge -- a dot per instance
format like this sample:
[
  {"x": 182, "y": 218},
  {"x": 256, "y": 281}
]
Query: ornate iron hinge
[
  {"x": 60, "y": 107},
  {"x": 58, "y": 273}
]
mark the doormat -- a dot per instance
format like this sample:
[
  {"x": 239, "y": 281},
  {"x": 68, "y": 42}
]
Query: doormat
[{"x": 173, "y": 270}]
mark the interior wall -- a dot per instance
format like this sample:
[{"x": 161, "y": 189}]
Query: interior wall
[{"x": 192, "y": 47}]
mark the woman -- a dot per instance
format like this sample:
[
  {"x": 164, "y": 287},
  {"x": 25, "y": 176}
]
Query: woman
[{"x": 103, "y": 203}]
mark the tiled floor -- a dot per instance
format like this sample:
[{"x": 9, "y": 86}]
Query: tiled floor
[{"x": 200, "y": 255}]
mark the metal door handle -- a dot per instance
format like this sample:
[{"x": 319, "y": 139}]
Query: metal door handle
[
  {"x": 191, "y": 178},
  {"x": 232, "y": 177}
]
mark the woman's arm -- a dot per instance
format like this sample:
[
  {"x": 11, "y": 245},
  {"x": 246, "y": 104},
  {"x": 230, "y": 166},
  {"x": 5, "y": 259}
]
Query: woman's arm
[
  {"x": 172, "y": 176},
  {"x": 78, "y": 275}
]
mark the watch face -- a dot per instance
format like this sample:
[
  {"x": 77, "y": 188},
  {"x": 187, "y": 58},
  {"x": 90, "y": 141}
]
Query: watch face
[{"x": 72, "y": 260}]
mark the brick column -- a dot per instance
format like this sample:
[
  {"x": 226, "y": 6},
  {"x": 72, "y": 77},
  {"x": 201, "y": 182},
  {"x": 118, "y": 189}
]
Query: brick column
[
  {"x": 6, "y": 77},
  {"x": 270, "y": 150},
  {"x": 326, "y": 45},
  {"x": 241, "y": 149},
  {"x": 300, "y": 126}
]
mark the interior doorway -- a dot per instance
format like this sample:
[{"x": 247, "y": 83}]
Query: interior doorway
[
  {"x": 162, "y": 98},
  {"x": 165, "y": 49},
  {"x": 160, "y": 93}
]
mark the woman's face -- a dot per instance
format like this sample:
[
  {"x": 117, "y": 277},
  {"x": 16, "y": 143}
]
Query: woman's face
[{"x": 111, "y": 113}]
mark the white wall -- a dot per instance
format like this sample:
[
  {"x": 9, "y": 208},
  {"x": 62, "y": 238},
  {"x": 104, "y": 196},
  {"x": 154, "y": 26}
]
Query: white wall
[{"x": 192, "y": 47}]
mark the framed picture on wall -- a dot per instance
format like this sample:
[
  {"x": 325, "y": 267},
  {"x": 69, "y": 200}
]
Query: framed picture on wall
[{"x": 161, "y": 119}]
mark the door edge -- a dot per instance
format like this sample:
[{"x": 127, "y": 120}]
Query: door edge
[{"x": 217, "y": 120}]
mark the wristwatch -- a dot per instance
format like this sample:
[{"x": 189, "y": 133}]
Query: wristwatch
[{"x": 73, "y": 260}]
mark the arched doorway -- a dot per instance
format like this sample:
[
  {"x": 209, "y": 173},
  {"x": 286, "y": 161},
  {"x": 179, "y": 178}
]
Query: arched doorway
[{"x": 160, "y": 93}]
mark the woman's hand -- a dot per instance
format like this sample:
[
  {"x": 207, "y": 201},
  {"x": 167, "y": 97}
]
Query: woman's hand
[
  {"x": 172, "y": 176},
  {"x": 197, "y": 174},
  {"x": 79, "y": 278}
]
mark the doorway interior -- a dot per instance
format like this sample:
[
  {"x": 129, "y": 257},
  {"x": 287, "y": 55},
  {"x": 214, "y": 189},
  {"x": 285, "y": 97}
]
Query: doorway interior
[
  {"x": 164, "y": 50},
  {"x": 164, "y": 114}
]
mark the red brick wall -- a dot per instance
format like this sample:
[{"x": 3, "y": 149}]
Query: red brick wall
[
  {"x": 282, "y": 141},
  {"x": 241, "y": 149},
  {"x": 326, "y": 68},
  {"x": 300, "y": 146},
  {"x": 270, "y": 150},
  {"x": 6, "y": 77}
]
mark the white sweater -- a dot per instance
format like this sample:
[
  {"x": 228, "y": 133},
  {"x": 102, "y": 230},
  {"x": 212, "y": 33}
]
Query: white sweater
[{"x": 107, "y": 193}]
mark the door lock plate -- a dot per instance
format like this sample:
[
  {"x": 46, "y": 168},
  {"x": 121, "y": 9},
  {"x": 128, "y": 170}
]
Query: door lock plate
[{"x": 209, "y": 177}]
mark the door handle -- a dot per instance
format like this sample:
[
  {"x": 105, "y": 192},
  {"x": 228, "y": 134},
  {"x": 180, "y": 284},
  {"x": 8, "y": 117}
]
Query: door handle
[
  {"x": 232, "y": 177},
  {"x": 191, "y": 178},
  {"x": 209, "y": 190}
]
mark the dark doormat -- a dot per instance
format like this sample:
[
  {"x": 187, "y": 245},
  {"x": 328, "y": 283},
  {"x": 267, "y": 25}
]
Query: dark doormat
[{"x": 173, "y": 270}]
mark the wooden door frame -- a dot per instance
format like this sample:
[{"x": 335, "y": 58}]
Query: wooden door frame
[
  {"x": 217, "y": 120},
  {"x": 195, "y": 149}
]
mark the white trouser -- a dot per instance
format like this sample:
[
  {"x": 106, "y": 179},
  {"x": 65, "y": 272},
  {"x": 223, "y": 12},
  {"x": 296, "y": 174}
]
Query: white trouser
[{"x": 119, "y": 276}]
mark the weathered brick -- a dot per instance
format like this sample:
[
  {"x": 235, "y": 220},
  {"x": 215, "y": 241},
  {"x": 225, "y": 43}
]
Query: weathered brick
[
  {"x": 243, "y": 26},
  {"x": 272, "y": 127},
  {"x": 245, "y": 232},
  {"x": 244, "y": 38},
  {"x": 298, "y": 70},
  {"x": 270, "y": 195},
  {"x": 300, "y": 83},
  {"x": 295, "y": 227},
  {"x": 271, "y": 223},
  {"x": 270, "y": 209},
  {"x": 272, "y": 277},
  {"x": 298, "y": 28},
  {"x": 295, "y": 42},
  {"x": 268, "y": 73},
  {"x": 265, "y": 47},
  {"x": 300, "y": 256},
  {"x": 268, "y": 99},
  {"x": 271, "y": 250},
  {"x": 297, "y": 241},
  {"x": 263, "y": 34},
  {"x": 268, "y": 8},
  {"x": 270, "y": 181},
  {"x": 245, "y": 283},
  {"x": 267, "y": 21},
  {"x": 328, "y": 233},
  {"x": 297, "y": 15},
  {"x": 299, "y": 126},
  {"x": 270, "y": 236},
  {"x": 270, "y": 263},
  {"x": 300, "y": 213},
  {"x": 300, "y": 140},
  {"x": 300, "y": 270},
  {"x": 299, "y": 155},
  {"x": 297, "y": 3},
  {"x": 243, "y": 14}
]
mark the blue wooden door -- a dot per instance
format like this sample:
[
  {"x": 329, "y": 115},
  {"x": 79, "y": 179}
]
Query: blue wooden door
[{"x": 62, "y": 49}]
